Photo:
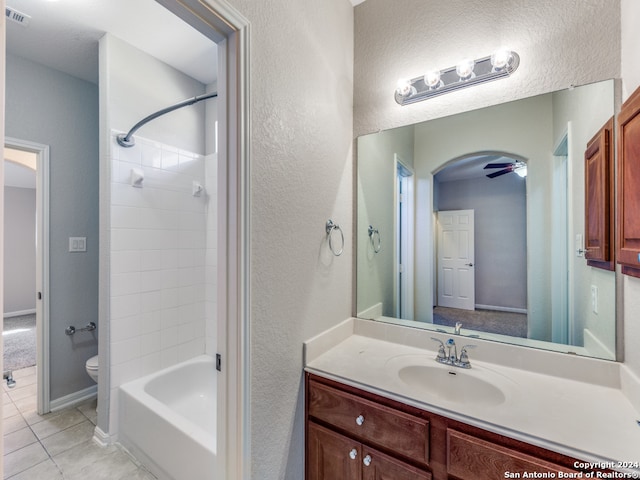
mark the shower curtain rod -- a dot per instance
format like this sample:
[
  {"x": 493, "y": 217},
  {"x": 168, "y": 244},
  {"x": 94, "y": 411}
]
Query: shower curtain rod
[{"x": 128, "y": 140}]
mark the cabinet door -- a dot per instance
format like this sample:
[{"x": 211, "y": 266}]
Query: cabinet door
[
  {"x": 598, "y": 173},
  {"x": 378, "y": 466},
  {"x": 331, "y": 456},
  {"x": 628, "y": 252},
  {"x": 470, "y": 458}
]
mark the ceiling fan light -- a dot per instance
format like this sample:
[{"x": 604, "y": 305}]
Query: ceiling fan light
[{"x": 521, "y": 171}]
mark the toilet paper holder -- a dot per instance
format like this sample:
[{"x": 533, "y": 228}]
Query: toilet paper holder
[{"x": 70, "y": 330}]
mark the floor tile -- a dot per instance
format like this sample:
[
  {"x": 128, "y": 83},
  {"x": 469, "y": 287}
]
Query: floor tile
[
  {"x": 24, "y": 381},
  {"x": 89, "y": 410},
  {"x": 75, "y": 459},
  {"x": 46, "y": 470},
  {"x": 26, "y": 404},
  {"x": 12, "y": 424},
  {"x": 110, "y": 467},
  {"x": 9, "y": 410},
  {"x": 32, "y": 417},
  {"x": 23, "y": 459},
  {"x": 25, "y": 372},
  {"x": 57, "y": 423},
  {"x": 18, "y": 439},
  {"x": 69, "y": 438},
  {"x": 6, "y": 399},
  {"x": 21, "y": 392}
]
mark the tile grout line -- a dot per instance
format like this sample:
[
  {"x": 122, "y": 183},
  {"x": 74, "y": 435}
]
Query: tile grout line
[{"x": 38, "y": 439}]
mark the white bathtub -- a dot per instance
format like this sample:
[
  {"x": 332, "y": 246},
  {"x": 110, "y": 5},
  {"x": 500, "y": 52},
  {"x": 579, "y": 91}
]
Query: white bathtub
[{"x": 168, "y": 420}]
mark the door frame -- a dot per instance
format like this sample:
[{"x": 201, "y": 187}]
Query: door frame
[
  {"x": 222, "y": 23},
  {"x": 403, "y": 213},
  {"x": 42, "y": 266}
]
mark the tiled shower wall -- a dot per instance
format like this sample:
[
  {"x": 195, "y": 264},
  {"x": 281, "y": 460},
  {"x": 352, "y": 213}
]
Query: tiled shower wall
[{"x": 163, "y": 278}]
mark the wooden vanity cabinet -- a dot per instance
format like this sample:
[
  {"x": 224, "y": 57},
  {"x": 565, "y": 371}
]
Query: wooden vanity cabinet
[
  {"x": 352, "y": 437},
  {"x": 599, "y": 201},
  {"x": 404, "y": 442},
  {"x": 628, "y": 132}
]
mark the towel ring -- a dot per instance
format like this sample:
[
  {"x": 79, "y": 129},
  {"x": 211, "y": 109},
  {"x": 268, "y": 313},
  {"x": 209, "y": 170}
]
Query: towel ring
[
  {"x": 330, "y": 227},
  {"x": 373, "y": 232}
]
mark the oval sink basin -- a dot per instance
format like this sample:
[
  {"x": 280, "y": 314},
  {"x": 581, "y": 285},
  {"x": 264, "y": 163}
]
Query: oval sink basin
[{"x": 451, "y": 384}]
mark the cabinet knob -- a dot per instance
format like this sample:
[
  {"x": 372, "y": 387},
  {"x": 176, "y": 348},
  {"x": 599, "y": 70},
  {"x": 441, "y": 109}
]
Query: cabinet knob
[
  {"x": 367, "y": 460},
  {"x": 359, "y": 419},
  {"x": 353, "y": 454}
]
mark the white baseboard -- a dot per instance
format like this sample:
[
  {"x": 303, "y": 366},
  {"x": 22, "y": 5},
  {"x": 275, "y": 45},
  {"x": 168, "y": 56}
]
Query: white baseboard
[
  {"x": 19, "y": 313},
  {"x": 502, "y": 309},
  {"x": 103, "y": 439},
  {"x": 73, "y": 398}
]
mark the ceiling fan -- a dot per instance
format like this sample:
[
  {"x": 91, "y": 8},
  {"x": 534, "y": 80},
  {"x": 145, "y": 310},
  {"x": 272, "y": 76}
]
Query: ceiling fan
[{"x": 517, "y": 167}]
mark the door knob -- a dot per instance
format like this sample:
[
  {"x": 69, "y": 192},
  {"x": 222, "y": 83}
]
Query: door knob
[{"x": 469, "y": 264}]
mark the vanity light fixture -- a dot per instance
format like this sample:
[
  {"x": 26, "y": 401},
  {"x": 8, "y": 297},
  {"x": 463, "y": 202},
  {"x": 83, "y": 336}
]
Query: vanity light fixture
[{"x": 502, "y": 63}]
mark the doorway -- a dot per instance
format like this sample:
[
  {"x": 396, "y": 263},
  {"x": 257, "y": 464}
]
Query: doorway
[
  {"x": 456, "y": 247},
  {"x": 26, "y": 292},
  {"x": 404, "y": 221}
]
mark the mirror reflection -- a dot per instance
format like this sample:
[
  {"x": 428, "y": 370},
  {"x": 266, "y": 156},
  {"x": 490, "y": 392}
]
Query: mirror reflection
[{"x": 476, "y": 222}]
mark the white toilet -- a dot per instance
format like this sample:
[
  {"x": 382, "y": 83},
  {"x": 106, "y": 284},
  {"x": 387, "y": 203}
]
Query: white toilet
[{"x": 92, "y": 368}]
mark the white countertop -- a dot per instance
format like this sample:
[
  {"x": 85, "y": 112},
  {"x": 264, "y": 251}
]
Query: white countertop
[{"x": 589, "y": 420}]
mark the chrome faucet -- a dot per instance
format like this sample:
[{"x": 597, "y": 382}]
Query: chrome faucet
[
  {"x": 457, "y": 328},
  {"x": 451, "y": 358}
]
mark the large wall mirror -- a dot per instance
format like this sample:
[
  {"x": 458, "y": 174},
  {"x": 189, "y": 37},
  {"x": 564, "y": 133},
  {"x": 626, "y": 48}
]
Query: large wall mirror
[{"x": 478, "y": 220}]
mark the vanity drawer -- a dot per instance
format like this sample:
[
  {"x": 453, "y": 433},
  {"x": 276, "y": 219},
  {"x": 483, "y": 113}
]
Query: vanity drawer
[
  {"x": 475, "y": 459},
  {"x": 371, "y": 423}
]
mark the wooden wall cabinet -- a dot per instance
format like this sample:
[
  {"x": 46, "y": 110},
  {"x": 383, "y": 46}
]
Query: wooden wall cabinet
[
  {"x": 599, "y": 199},
  {"x": 628, "y": 131},
  {"x": 356, "y": 435}
]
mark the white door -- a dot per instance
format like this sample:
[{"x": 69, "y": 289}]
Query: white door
[{"x": 456, "y": 279}]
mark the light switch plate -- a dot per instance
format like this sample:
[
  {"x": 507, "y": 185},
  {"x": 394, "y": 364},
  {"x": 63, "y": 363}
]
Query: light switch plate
[{"x": 77, "y": 244}]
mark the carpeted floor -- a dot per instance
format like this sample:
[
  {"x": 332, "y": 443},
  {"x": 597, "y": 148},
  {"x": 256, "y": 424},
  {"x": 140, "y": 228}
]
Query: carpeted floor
[
  {"x": 490, "y": 321},
  {"x": 19, "y": 336}
]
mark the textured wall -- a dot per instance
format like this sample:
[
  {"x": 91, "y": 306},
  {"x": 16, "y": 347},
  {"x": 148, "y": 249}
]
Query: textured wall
[
  {"x": 631, "y": 81},
  {"x": 560, "y": 42},
  {"x": 49, "y": 107},
  {"x": 301, "y": 175}
]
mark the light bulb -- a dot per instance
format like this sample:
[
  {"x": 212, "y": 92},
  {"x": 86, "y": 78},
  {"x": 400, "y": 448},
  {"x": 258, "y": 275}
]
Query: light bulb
[
  {"x": 500, "y": 59},
  {"x": 404, "y": 87},
  {"x": 521, "y": 171},
  {"x": 464, "y": 69},
  {"x": 432, "y": 79}
]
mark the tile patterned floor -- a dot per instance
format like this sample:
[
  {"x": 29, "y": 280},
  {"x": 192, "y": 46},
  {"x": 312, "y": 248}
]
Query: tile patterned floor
[{"x": 57, "y": 446}]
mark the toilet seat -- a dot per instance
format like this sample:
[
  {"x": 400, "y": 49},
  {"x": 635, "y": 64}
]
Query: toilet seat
[{"x": 92, "y": 363}]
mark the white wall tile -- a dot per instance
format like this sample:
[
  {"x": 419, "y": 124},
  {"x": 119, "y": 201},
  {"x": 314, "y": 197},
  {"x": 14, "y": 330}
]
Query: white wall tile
[{"x": 163, "y": 253}]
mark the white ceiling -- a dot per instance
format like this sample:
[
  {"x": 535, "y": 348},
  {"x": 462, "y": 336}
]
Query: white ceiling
[
  {"x": 64, "y": 34},
  {"x": 16, "y": 175}
]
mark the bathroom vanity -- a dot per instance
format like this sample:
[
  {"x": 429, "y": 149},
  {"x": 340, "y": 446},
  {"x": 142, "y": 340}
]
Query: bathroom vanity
[{"x": 379, "y": 408}]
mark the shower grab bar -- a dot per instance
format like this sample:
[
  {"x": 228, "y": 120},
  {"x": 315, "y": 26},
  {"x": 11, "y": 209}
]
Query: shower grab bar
[
  {"x": 70, "y": 330},
  {"x": 127, "y": 140},
  {"x": 373, "y": 232},
  {"x": 329, "y": 228}
]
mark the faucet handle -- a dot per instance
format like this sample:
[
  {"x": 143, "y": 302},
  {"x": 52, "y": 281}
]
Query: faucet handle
[
  {"x": 442, "y": 357},
  {"x": 464, "y": 358}
]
